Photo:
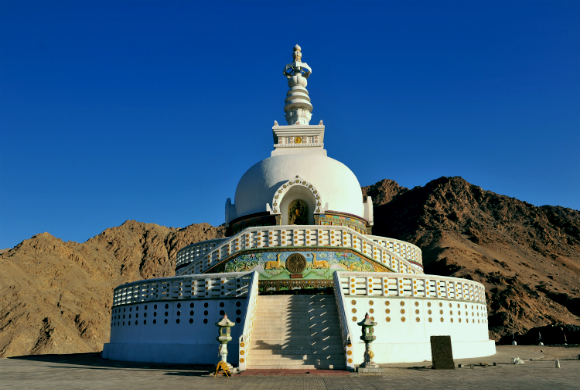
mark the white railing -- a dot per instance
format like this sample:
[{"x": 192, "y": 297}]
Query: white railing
[
  {"x": 301, "y": 236},
  {"x": 406, "y": 285},
  {"x": 344, "y": 323},
  {"x": 230, "y": 285},
  {"x": 188, "y": 253},
  {"x": 402, "y": 248},
  {"x": 246, "y": 337}
]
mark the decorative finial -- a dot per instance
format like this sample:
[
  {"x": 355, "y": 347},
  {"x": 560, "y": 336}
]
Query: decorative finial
[
  {"x": 298, "y": 107},
  {"x": 275, "y": 123}
]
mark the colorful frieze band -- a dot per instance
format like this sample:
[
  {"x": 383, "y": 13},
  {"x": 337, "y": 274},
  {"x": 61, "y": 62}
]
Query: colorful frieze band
[
  {"x": 342, "y": 219},
  {"x": 298, "y": 264},
  {"x": 329, "y": 218}
]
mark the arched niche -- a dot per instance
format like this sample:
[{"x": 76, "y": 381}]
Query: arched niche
[
  {"x": 292, "y": 190},
  {"x": 302, "y": 194}
]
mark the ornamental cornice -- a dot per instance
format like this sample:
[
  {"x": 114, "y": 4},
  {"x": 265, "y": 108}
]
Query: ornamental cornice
[{"x": 303, "y": 145}]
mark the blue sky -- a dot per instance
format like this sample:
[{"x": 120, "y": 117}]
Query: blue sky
[{"x": 152, "y": 111}]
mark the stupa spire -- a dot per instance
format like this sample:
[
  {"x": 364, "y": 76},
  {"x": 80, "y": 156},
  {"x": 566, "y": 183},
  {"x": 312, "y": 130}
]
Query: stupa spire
[{"x": 298, "y": 107}]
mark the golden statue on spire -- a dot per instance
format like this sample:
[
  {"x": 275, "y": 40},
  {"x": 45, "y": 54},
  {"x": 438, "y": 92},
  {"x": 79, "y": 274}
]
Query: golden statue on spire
[{"x": 297, "y": 55}]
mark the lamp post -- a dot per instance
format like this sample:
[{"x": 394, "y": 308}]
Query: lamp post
[
  {"x": 224, "y": 336},
  {"x": 368, "y": 337}
]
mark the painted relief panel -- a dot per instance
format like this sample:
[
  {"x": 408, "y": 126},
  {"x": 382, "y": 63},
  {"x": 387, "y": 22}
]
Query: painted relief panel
[{"x": 300, "y": 265}]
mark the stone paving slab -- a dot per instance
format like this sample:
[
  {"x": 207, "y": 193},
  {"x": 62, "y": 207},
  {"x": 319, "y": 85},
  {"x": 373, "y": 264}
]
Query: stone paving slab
[
  {"x": 89, "y": 371},
  {"x": 298, "y": 372}
]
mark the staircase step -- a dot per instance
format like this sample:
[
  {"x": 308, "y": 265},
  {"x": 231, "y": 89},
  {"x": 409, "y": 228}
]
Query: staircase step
[
  {"x": 296, "y": 359},
  {"x": 294, "y": 327},
  {"x": 289, "y": 350},
  {"x": 298, "y": 367},
  {"x": 303, "y": 341},
  {"x": 276, "y": 338},
  {"x": 285, "y": 316}
]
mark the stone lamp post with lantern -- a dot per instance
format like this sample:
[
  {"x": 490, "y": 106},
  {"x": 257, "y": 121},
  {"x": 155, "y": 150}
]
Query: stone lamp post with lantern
[
  {"x": 367, "y": 327},
  {"x": 224, "y": 336}
]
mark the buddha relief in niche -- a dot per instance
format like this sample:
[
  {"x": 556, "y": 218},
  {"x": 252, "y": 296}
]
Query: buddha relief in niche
[{"x": 298, "y": 213}]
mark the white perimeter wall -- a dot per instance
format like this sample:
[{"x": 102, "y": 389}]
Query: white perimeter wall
[
  {"x": 405, "y": 336},
  {"x": 191, "y": 341}
]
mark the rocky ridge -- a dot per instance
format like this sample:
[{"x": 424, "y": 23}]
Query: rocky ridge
[
  {"x": 527, "y": 257},
  {"x": 55, "y": 296}
]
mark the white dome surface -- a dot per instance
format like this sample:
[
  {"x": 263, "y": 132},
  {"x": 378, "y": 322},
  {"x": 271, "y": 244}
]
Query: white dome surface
[{"x": 336, "y": 183}]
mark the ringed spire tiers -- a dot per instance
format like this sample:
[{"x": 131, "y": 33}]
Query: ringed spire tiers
[{"x": 298, "y": 107}]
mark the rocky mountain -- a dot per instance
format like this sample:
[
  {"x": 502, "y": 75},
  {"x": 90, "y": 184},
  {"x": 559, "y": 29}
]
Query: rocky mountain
[
  {"x": 383, "y": 192},
  {"x": 527, "y": 257},
  {"x": 55, "y": 296}
]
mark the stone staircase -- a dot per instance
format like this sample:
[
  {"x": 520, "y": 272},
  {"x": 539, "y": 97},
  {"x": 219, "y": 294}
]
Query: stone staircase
[{"x": 296, "y": 332}]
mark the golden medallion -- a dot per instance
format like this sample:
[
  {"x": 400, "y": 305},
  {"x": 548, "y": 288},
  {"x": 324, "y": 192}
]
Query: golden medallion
[{"x": 296, "y": 263}]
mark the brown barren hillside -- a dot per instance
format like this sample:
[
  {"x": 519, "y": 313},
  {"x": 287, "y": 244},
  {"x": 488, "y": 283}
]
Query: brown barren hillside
[
  {"x": 55, "y": 296},
  {"x": 527, "y": 257}
]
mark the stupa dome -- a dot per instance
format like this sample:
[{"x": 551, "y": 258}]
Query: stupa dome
[{"x": 338, "y": 187}]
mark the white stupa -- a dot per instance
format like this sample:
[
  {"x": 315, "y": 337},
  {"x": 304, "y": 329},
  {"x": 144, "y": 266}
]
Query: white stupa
[{"x": 298, "y": 269}]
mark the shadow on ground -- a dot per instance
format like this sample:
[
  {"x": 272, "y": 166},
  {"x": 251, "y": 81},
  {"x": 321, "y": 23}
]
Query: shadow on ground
[{"x": 94, "y": 361}]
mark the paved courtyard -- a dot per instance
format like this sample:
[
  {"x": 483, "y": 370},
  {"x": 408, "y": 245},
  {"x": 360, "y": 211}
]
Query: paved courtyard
[{"x": 89, "y": 371}]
